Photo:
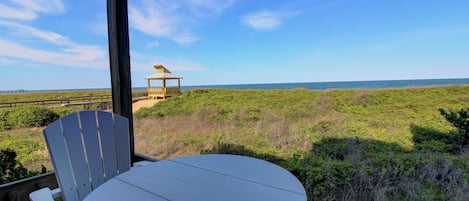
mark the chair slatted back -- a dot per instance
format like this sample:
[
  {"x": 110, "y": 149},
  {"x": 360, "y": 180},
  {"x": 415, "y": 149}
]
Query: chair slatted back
[{"x": 88, "y": 148}]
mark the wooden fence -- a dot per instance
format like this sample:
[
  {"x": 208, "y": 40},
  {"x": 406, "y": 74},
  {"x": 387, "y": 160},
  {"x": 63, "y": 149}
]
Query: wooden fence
[{"x": 102, "y": 101}]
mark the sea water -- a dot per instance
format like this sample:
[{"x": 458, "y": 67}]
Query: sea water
[{"x": 381, "y": 84}]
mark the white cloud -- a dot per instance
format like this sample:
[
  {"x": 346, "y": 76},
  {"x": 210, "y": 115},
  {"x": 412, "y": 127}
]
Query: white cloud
[
  {"x": 209, "y": 7},
  {"x": 74, "y": 56},
  {"x": 29, "y": 9},
  {"x": 171, "y": 64},
  {"x": 154, "y": 44},
  {"x": 6, "y": 61},
  {"x": 185, "y": 39},
  {"x": 31, "y": 32},
  {"x": 13, "y": 13},
  {"x": 173, "y": 19},
  {"x": 267, "y": 20},
  {"x": 153, "y": 23},
  {"x": 99, "y": 26},
  {"x": 28, "y": 45},
  {"x": 394, "y": 40},
  {"x": 186, "y": 65},
  {"x": 262, "y": 21},
  {"x": 45, "y": 6},
  {"x": 87, "y": 53},
  {"x": 142, "y": 62},
  {"x": 66, "y": 53}
]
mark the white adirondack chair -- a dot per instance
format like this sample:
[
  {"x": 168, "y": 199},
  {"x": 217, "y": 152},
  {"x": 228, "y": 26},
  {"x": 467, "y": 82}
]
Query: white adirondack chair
[{"x": 87, "y": 148}]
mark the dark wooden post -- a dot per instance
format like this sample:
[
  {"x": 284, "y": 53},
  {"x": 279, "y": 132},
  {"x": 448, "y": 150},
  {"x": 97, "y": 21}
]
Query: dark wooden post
[
  {"x": 119, "y": 60},
  {"x": 179, "y": 86}
]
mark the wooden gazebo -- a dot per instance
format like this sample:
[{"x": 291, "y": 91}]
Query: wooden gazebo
[{"x": 164, "y": 91}]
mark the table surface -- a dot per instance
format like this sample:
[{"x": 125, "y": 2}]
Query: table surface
[{"x": 216, "y": 177}]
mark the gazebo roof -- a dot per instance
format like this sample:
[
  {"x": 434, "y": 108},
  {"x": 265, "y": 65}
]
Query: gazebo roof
[{"x": 162, "y": 73}]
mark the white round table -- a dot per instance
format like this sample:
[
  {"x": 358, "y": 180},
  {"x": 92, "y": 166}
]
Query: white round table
[{"x": 213, "y": 177}]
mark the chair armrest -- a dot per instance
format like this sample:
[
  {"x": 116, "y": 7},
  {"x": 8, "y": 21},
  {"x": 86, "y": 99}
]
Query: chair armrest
[
  {"x": 44, "y": 194},
  {"x": 56, "y": 193},
  {"x": 141, "y": 163}
]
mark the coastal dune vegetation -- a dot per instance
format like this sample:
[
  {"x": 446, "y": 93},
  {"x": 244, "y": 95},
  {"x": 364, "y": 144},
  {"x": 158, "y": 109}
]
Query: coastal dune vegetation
[
  {"x": 390, "y": 144},
  {"x": 386, "y": 144}
]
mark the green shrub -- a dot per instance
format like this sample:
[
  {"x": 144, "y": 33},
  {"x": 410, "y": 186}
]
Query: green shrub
[
  {"x": 460, "y": 120},
  {"x": 351, "y": 169},
  {"x": 31, "y": 116},
  {"x": 11, "y": 169},
  {"x": 63, "y": 111},
  {"x": 4, "y": 124}
]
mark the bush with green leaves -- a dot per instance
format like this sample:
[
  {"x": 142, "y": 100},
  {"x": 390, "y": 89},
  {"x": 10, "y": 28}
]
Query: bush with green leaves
[
  {"x": 4, "y": 124},
  {"x": 26, "y": 117}
]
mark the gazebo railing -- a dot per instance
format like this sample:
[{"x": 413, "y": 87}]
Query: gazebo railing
[{"x": 164, "y": 92}]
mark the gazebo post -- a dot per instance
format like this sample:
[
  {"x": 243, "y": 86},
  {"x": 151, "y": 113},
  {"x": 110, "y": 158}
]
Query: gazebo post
[
  {"x": 179, "y": 85},
  {"x": 148, "y": 88},
  {"x": 164, "y": 88}
]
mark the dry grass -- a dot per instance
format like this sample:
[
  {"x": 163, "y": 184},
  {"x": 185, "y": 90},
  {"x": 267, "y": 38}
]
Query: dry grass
[
  {"x": 171, "y": 137},
  {"x": 188, "y": 135},
  {"x": 29, "y": 145}
]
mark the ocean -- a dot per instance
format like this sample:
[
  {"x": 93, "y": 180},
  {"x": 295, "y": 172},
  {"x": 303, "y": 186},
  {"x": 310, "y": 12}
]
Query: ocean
[{"x": 379, "y": 84}]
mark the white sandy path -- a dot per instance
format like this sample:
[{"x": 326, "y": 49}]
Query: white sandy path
[{"x": 144, "y": 103}]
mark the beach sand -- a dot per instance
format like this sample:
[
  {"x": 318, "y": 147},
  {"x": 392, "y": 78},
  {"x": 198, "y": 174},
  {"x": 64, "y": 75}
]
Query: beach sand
[{"x": 144, "y": 103}]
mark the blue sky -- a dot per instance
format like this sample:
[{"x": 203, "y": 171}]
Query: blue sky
[{"x": 62, "y": 44}]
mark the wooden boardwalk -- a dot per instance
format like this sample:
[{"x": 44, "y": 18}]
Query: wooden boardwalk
[{"x": 87, "y": 102}]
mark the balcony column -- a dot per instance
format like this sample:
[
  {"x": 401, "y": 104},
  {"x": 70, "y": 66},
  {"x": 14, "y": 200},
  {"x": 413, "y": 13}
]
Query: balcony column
[{"x": 119, "y": 60}]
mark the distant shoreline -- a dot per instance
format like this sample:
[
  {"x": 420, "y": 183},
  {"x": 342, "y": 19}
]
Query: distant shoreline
[{"x": 377, "y": 84}]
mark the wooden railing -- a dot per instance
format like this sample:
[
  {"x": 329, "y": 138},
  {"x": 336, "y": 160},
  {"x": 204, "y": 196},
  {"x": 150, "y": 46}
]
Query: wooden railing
[
  {"x": 57, "y": 102},
  {"x": 164, "y": 92},
  {"x": 19, "y": 190},
  {"x": 153, "y": 91},
  {"x": 173, "y": 91},
  {"x": 85, "y": 101}
]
